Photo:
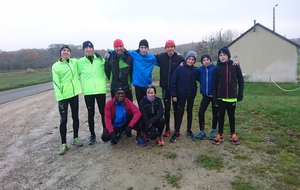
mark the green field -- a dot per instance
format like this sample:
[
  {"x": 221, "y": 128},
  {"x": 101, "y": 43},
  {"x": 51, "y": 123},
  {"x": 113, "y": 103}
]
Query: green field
[{"x": 17, "y": 79}]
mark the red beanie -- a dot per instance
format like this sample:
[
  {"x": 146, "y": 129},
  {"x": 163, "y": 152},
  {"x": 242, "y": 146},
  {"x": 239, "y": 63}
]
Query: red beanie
[
  {"x": 170, "y": 43},
  {"x": 118, "y": 42}
]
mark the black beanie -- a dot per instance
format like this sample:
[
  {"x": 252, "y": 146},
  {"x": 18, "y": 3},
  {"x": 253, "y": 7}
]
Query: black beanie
[
  {"x": 86, "y": 44},
  {"x": 144, "y": 43},
  {"x": 119, "y": 88},
  {"x": 64, "y": 46},
  {"x": 205, "y": 56},
  {"x": 224, "y": 50}
]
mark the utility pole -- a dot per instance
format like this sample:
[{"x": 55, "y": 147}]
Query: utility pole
[{"x": 274, "y": 17}]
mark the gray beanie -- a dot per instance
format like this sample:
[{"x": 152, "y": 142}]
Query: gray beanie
[{"x": 191, "y": 54}]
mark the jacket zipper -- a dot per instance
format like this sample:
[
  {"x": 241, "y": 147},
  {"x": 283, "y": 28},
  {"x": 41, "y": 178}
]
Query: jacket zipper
[
  {"x": 227, "y": 80},
  {"x": 71, "y": 78},
  {"x": 168, "y": 84}
]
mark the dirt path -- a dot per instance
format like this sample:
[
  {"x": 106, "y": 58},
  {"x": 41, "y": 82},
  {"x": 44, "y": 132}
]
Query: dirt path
[{"x": 30, "y": 144}]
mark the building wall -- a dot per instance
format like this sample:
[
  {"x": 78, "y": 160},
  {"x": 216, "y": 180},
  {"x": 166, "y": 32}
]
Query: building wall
[{"x": 263, "y": 54}]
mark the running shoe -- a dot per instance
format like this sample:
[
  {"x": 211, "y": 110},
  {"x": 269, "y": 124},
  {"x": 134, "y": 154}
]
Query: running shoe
[
  {"x": 76, "y": 142},
  {"x": 64, "y": 148},
  {"x": 218, "y": 140}
]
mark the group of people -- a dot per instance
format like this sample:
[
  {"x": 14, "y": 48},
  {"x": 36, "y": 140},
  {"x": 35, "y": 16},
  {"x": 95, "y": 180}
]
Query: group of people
[{"x": 151, "y": 118}]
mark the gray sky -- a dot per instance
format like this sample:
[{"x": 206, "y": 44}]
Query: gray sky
[{"x": 27, "y": 24}]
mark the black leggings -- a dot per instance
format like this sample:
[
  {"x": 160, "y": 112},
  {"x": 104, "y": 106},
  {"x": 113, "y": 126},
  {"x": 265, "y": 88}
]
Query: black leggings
[
  {"x": 180, "y": 113},
  {"x": 90, "y": 105},
  {"x": 159, "y": 125},
  {"x": 202, "y": 109},
  {"x": 167, "y": 105},
  {"x": 140, "y": 93},
  {"x": 230, "y": 108},
  {"x": 63, "y": 111}
]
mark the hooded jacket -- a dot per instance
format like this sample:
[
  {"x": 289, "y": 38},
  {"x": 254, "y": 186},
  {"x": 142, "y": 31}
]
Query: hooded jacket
[
  {"x": 228, "y": 81},
  {"x": 110, "y": 112},
  {"x": 167, "y": 66},
  {"x": 65, "y": 79},
  {"x": 92, "y": 75},
  {"x": 119, "y": 70},
  {"x": 183, "y": 82}
]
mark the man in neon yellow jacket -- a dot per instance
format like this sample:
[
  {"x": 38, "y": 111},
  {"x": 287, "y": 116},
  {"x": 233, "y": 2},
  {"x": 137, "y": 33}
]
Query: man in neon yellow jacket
[
  {"x": 93, "y": 80},
  {"x": 66, "y": 87}
]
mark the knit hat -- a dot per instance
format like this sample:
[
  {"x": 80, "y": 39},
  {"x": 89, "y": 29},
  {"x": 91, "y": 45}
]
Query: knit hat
[
  {"x": 205, "y": 56},
  {"x": 63, "y": 47},
  {"x": 119, "y": 88},
  {"x": 170, "y": 43},
  {"x": 144, "y": 43},
  {"x": 86, "y": 44},
  {"x": 191, "y": 54},
  {"x": 118, "y": 42},
  {"x": 224, "y": 50}
]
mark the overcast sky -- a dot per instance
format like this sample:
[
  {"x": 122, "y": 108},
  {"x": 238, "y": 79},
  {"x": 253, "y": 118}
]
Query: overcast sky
[{"x": 27, "y": 24}]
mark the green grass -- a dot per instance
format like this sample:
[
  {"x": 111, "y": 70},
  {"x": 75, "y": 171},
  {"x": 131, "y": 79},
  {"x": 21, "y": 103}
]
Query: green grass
[
  {"x": 268, "y": 123},
  {"x": 209, "y": 162},
  {"x": 173, "y": 179},
  {"x": 17, "y": 79}
]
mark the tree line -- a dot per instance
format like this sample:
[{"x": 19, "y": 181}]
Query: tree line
[{"x": 44, "y": 58}]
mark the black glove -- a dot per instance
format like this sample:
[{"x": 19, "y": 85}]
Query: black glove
[
  {"x": 240, "y": 98},
  {"x": 128, "y": 131},
  {"x": 114, "y": 138},
  {"x": 153, "y": 133}
]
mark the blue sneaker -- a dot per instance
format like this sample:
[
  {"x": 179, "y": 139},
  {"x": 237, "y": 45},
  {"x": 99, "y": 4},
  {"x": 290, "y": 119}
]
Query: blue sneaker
[
  {"x": 92, "y": 140},
  {"x": 200, "y": 136},
  {"x": 111, "y": 142},
  {"x": 212, "y": 135},
  {"x": 140, "y": 141}
]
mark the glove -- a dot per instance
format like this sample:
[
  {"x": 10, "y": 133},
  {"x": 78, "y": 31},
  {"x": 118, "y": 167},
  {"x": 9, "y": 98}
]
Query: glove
[
  {"x": 153, "y": 133},
  {"x": 114, "y": 138},
  {"x": 240, "y": 98},
  {"x": 128, "y": 131},
  {"x": 107, "y": 55}
]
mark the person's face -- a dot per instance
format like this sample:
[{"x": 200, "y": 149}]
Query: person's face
[
  {"x": 120, "y": 95},
  {"x": 170, "y": 50},
  {"x": 150, "y": 93},
  {"x": 88, "y": 51},
  {"x": 65, "y": 54},
  {"x": 143, "y": 50},
  {"x": 119, "y": 50},
  {"x": 223, "y": 57},
  {"x": 206, "y": 62},
  {"x": 190, "y": 61}
]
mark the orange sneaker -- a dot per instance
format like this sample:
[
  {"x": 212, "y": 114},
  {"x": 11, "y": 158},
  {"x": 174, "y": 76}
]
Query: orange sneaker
[
  {"x": 160, "y": 141},
  {"x": 234, "y": 139},
  {"x": 218, "y": 140}
]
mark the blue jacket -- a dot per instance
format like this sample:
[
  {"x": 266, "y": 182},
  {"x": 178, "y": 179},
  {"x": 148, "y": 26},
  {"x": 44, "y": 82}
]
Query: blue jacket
[
  {"x": 206, "y": 77},
  {"x": 142, "y": 68},
  {"x": 183, "y": 83}
]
